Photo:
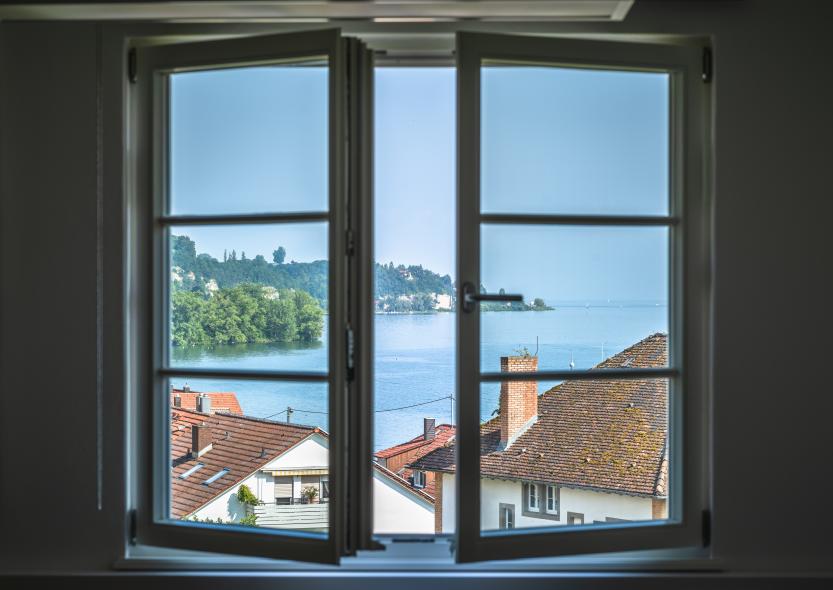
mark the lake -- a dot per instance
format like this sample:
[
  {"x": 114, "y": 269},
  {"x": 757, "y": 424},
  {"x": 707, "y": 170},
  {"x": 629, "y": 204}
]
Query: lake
[{"x": 415, "y": 361}]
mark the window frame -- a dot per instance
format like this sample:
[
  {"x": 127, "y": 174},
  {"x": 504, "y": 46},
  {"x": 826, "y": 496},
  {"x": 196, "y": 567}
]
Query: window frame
[
  {"x": 421, "y": 475},
  {"x": 689, "y": 297},
  {"x": 147, "y": 133},
  {"x": 556, "y": 500}
]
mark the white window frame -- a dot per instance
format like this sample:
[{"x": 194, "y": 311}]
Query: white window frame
[
  {"x": 138, "y": 494},
  {"x": 688, "y": 224},
  {"x": 551, "y": 494},
  {"x": 533, "y": 501},
  {"x": 147, "y": 105}
]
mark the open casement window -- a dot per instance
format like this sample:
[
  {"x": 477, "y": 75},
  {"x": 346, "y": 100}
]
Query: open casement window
[
  {"x": 580, "y": 181},
  {"x": 211, "y": 168}
]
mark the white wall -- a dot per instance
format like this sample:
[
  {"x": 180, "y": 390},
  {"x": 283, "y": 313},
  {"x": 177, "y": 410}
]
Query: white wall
[
  {"x": 396, "y": 510},
  {"x": 449, "y": 502},
  {"x": 594, "y": 505}
]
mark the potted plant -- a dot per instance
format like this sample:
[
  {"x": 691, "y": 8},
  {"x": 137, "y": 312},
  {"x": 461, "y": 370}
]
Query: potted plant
[{"x": 309, "y": 494}]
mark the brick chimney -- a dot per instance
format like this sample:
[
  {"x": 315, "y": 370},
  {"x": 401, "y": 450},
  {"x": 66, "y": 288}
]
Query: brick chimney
[
  {"x": 518, "y": 399},
  {"x": 200, "y": 440},
  {"x": 429, "y": 428}
]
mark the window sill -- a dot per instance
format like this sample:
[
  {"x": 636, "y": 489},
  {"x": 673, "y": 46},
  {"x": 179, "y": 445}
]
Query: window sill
[{"x": 426, "y": 558}]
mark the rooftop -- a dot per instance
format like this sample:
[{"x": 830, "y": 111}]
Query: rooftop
[
  {"x": 605, "y": 434},
  {"x": 221, "y": 401},
  {"x": 240, "y": 444},
  {"x": 419, "y": 447}
]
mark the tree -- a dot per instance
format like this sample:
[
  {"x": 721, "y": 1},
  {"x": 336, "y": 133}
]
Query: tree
[{"x": 279, "y": 255}]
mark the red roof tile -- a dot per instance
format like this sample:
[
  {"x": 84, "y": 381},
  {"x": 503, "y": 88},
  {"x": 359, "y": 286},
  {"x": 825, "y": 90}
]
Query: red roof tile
[
  {"x": 221, "y": 401},
  {"x": 239, "y": 443}
]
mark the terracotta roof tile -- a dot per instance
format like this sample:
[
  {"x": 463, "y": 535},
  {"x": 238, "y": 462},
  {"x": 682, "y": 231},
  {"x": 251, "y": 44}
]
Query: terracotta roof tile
[
  {"x": 221, "y": 401},
  {"x": 606, "y": 434}
]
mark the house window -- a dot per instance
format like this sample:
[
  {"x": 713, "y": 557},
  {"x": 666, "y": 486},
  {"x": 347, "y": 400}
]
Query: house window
[
  {"x": 325, "y": 489},
  {"x": 506, "y": 516},
  {"x": 575, "y": 518},
  {"x": 532, "y": 497},
  {"x": 419, "y": 479},
  {"x": 552, "y": 499}
]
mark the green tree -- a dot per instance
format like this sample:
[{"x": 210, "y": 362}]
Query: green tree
[{"x": 279, "y": 255}]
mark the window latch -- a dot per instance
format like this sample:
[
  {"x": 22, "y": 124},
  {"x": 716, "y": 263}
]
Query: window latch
[{"x": 471, "y": 297}]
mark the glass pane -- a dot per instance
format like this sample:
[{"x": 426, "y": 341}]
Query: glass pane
[
  {"x": 414, "y": 326},
  {"x": 249, "y": 297},
  {"x": 572, "y": 141},
  {"x": 574, "y": 452},
  {"x": 243, "y": 453},
  {"x": 589, "y": 292},
  {"x": 249, "y": 140}
]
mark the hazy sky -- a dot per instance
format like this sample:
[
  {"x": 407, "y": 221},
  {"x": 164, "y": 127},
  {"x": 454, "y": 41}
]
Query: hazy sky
[{"x": 554, "y": 140}]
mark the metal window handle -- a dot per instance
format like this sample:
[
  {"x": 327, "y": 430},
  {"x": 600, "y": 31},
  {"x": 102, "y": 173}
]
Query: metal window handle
[{"x": 471, "y": 297}]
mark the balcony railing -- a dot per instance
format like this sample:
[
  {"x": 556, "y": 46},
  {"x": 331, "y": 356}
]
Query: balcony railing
[{"x": 306, "y": 517}]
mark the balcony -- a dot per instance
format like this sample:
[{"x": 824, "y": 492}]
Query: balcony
[{"x": 301, "y": 517}]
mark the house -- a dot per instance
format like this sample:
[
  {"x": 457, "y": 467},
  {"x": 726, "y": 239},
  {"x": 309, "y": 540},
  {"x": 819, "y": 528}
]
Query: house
[
  {"x": 583, "y": 452},
  {"x": 208, "y": 402},
  {"x": 213, "y": 454},
  {"x": 397, "y": 457}
]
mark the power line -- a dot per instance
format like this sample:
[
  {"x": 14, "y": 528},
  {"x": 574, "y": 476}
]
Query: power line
[{"x": 439, "y": 399}]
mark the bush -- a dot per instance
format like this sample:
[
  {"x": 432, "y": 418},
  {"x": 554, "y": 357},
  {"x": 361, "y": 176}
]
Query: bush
[{"x": 246, "y": 496}]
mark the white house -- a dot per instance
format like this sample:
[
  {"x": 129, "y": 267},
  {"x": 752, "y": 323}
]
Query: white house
[
  {"x": 583, "y": 452},
  {"x": 214, "y": 454}
]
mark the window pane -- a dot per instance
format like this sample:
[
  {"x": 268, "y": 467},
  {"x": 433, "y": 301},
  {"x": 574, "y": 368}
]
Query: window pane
[
  {"x": 573, "y": 141},
  {"x": 249, "y": 140},
  {"x": 589, "y": 292},
  {"x": 249, "y": 297},
  {"x": 249, "y": 453},
  {"x": 600, "y": 444},
  {"x": 413, "y": 327}
]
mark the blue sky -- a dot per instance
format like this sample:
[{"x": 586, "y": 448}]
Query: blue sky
[{"x": 554, "y": 140}]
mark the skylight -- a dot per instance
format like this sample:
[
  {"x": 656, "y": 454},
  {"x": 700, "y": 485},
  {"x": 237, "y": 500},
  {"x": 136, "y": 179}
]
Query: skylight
[
  {"x": 216, "y": 476},
  {"x": 193, "y": 470}
]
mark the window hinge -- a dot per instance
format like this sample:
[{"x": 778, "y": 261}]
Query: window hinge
[
  {"x": 707, "y": 528},
  {"x": 351, "y": 243},
  {"x": 132, "y": 67},
  {"x": 131, "y": 527},
  {"x": 707, "y": 65},
  {"x": 350, "y": 352}
]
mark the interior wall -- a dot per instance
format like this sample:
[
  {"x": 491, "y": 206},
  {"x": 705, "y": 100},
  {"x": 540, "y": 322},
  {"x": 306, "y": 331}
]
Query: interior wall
[{"x": 773, "y": 124}]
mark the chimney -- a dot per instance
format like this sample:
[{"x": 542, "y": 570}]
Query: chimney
[
  {"x": 428, "y": 429},
  {"x": 177, "y": 400},
  {"x": 200, "y": 440},
  {"x": 518, "y": 399},
  {"x": 203, "y": 403}
]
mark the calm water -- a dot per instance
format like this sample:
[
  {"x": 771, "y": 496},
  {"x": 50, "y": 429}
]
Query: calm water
[{"x": 415, "y": 361}]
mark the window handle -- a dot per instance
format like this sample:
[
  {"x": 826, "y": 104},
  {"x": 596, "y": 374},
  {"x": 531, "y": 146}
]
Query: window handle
[{"x": 472, "y": 297}]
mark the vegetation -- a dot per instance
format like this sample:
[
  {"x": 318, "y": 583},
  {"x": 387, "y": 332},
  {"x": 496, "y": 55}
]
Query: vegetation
[
  {"x": 247, "y": 313},
  {"x": 399, "y": 288},
  {"x": 309, "y": 493},
  {"x": 246, "y": 496},
  {"x": 248, "y": 520}
]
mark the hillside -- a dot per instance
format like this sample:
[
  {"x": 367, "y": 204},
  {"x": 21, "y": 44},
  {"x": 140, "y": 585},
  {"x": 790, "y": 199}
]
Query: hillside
[{"x": 398, "y": 288}]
